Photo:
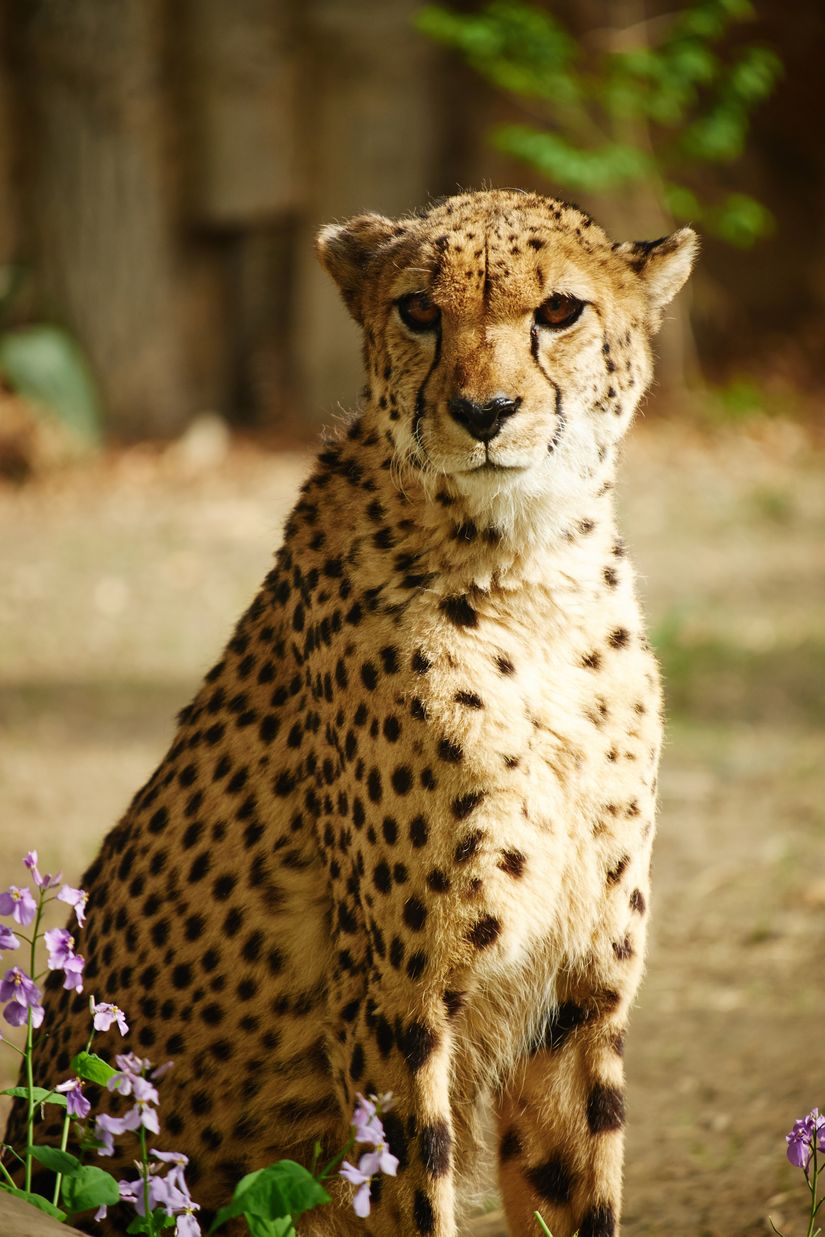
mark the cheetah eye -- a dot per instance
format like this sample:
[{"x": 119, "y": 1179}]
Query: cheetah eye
[
  {"x": 559, "y": 311},
  {"x": 418, "y": 312}
]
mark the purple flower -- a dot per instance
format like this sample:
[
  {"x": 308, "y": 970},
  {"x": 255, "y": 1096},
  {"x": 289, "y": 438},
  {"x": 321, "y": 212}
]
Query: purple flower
[
  {"x": 361, "y": 1198},
  {"x": 187, "y": 1225},
  {"x": 18, "y": 1016},
  {"x": 7, "y": 938},
  {"x": 130, "y": 1075},
  {"x": 806, "y": 1133},
  {"x": 106, "y": 1130},
  {"x": 17, "y": 986},
  {"x": 76, "y": 898},
  {"x": 18, "y": 903},
  {"x": 76, "y": 1103},
  {"x": 175, "y": 1174},
  {"x": 105, "y": 1014},
  {"x": 367, "y": 1128},
  {"x": 73, "y": 973},
  {"x": 42, "y": 882},
  {"x": 60, "y": 944}
]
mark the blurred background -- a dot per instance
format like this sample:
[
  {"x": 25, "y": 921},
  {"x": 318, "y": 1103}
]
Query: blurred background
[{"x": 169, "y": 351}]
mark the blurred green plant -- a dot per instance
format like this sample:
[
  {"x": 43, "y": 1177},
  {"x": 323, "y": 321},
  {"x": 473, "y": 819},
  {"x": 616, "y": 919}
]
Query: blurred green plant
[
  {"x": 652, "y": 104},
  {"x": 46, "y": 366}
]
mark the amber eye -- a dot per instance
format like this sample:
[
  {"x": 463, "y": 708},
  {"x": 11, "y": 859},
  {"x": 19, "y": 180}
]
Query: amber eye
[
  {"x": 559, "y": 311},
  {"x": 418, "y": 312}
]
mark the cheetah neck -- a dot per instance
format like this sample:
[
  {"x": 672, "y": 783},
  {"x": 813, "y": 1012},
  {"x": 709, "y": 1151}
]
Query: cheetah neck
[{"x": 429, "y": 532}]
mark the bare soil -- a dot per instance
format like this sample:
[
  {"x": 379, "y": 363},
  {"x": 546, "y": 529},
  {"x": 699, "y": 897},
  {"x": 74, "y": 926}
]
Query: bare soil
[{"x": 121, "y": 579}]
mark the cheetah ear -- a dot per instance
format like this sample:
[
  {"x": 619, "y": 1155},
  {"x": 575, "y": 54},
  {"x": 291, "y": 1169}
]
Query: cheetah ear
[
  {"x": 346, "y": 250},
  {"x": 663, "y": 266}
]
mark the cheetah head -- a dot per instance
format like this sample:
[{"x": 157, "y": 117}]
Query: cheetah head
[{"x": 506, "y": 338}]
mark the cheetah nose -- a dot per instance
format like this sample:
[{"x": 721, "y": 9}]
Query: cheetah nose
[{"x": 483, "y": 420}]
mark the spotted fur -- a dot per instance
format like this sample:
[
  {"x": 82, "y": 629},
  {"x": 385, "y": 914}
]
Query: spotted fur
[{"x": 401, "y": 840}]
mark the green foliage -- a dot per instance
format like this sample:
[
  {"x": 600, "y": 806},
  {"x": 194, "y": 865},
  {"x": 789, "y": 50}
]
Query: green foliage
[
  {"x": 55, "y": 1160},
  {"x": 88, "y": 1186},
  {"x": 272, "y": 1198},
  {"x": 45, "y": 365},
  {"x": 92, "y": 1068},
  {"x": 649, "y": 113},
  {"x": 40, "y": 1095}
]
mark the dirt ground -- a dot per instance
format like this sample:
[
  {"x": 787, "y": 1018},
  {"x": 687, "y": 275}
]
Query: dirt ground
[{"x": 120, "y": 580}]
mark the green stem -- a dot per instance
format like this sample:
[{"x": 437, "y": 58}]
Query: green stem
[
  {"x": 812, "y": 1182},
  {"x": 7, "y": 1175},
  {"x": 28, "y": 1053},
  {"x": 145, "y": 1162},
  {"x": 335, "y": 1161},
  {"x": 64, "y": 1139},
  {"x": 542, "y": 1224}
]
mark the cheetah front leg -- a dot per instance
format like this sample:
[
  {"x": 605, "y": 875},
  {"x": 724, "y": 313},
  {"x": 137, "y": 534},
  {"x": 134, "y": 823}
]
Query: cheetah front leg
[
  {"x": 400, "y": 1041},
  {"x": 561, "y": 1113}
]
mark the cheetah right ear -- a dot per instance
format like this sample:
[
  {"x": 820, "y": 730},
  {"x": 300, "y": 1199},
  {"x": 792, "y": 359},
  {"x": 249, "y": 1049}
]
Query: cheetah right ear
[
  {"x": 346, "y": 250},
  {"x": 663, "y": 266}
]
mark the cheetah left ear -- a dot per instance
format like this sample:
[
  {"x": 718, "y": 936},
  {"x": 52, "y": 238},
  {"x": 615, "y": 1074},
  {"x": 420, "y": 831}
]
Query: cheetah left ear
[
  {"x": 663, "y": 266},
  {"x": 345, "y": 250}
]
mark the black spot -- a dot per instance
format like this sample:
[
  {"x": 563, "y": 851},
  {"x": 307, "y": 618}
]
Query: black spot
[
  {"x": 605, "y": 1109},
  {"x": 182, "y": 975},
  {"x": 504, "y": 665},
  {"x": 396, "y": 952},
  {"x": 420, "y": 662},
  {"x": 374, "y": 785},
  {"x": 159, "y": 821},
  {"x": 253, "y": 947},
  {"x": 194, "y": 927},
  {"x": 615, "y": 874},
  {"x": 438, "y": 881},
  {"x": 451, "y": 753},
  {"x": 357, "y": 1064},
  {"x": 418, "y": 1044},
  {"x": 402, "y": 779},
  {"x": 389, "y": 659},
  {"x": 381, "y": 877},
  {"x": 637, "y": 901},
  {"x": 623, "y": 949},
  {"x": 419, "y": 832},
  {"x": 465, "y": 804},
  {"x": 561, "y": 1024},
  {"x": 598, "y": 1222},
  {"x": 417, "y": 964},
  {"x": 369, "y": 676},
  {"x": 485, "y": 932},
  {"x": 200, "y": 867},
  {"x": 619, "y": 638},
  {"x": 592, "y": 661},
  {"x": 392, "y": 729},
  {"x": 468, "y": 846},
  {"x": 423, "y": 1213},
  {"x": 435, "y": 1146},
  {"x": 223, "y": 886},
  {"x": 389, "y": 828},
  {"x": 509, "y": 1146},
  {"x": 512, "y": 862},
  {"x": 459, "y": 611},
  {"x": 470, "y": 699},
  {"x": 415, "y": 914},
  {"x": 552, "y": 1180}
]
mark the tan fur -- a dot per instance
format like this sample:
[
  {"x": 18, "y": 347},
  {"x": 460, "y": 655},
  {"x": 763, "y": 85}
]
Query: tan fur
[{"x": 402, "y": 839}]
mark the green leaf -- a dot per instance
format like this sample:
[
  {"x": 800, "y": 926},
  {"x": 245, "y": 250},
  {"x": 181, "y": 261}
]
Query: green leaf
[
  {"x": 40, "y": 1095},
  {"x": 44, "y": 364},
  {"x": 42, "y": 1204},
  {"x": 89, "y": 1187},
  {"x": 283, "y": 1191},
  {"x": 152, "y": 1224},
  {"x": 93, "y": 1068},
  {"x": 55, "y": 1160}
]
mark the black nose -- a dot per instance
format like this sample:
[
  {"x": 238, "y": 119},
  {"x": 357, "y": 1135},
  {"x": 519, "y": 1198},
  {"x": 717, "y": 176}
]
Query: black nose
[{"x": 482, "y": 420}]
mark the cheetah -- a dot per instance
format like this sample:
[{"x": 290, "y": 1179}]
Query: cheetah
[{"x": 401, "y": 841}]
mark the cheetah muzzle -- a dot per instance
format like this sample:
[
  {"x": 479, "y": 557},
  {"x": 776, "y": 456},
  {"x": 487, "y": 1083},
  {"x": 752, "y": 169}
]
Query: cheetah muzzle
[{"x": 402, "y": 838}]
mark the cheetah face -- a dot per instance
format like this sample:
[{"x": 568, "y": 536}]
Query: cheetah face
[{"x": 506, "y": 337}]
